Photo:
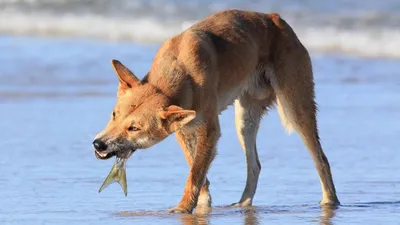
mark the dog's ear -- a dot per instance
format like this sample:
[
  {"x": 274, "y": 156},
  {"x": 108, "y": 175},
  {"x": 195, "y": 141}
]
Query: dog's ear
[
  {"x": 126, "y": 78},
  {"x": 177, "y": 117}
]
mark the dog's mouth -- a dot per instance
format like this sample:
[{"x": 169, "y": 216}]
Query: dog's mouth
[{"x": 103, "y": 155}]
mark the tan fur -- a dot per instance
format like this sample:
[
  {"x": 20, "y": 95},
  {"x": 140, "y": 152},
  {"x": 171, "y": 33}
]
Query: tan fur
[{"x": 250, "y": 58}]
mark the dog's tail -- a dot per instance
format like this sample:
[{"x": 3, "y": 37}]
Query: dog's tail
[{"x": 293, "y": 80}]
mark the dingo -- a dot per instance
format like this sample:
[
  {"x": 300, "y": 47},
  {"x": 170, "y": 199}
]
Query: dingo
[{"x": 251, "y": 59}]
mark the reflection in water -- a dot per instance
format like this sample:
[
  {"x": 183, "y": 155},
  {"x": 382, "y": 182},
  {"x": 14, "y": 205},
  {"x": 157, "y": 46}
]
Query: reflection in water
[
  {"x": 251, "y": 218},
  {"x": 195, "y": 219},
  {"x": 327, "y": 213},
  {"x": 202, "y": 217}
]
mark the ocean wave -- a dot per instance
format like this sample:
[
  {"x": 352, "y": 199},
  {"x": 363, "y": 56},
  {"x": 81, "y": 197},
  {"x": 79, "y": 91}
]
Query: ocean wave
[
  {"x": 363, "y": 42},
  {"x": 93, "y": 26},
  {"x": 373, "y": 41}
]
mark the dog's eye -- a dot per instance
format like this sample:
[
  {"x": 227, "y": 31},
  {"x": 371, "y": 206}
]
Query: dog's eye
[
  {"x": 113, "y": 114},
  {"x": 133, "y": 128}
]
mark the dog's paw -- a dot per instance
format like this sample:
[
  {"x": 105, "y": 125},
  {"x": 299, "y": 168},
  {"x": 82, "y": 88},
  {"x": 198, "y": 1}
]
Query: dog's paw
[
  {"x": 236, "y": 204},
  {"x": 241, "y": 204},
  {"x": 329, "y": 202},
  {"x": 180, "y": 210}
]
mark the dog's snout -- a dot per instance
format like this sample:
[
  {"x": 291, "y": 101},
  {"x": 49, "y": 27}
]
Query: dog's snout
[{"x": 99, "y": 145}]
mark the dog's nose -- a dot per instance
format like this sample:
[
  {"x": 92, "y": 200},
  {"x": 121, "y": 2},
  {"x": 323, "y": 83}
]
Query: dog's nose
[{"x": 99, "y": 145}]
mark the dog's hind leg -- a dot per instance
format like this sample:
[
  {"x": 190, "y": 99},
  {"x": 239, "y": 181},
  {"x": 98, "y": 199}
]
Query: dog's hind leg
[
  {"x": 248, "y": 113},
  {"x": 300, "y": 115},
  {"x": 294, "y": 88}
]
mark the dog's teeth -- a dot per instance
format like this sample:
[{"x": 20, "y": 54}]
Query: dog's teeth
[{"x": 102, "y": 154}]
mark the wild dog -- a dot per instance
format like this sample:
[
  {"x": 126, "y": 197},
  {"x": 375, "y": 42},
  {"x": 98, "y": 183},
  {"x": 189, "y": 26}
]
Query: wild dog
[{"x": 251, "y": 59}]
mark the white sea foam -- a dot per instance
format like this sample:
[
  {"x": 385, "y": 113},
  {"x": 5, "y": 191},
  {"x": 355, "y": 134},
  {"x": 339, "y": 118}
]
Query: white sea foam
[
  {"x": 372, "y": 43},
  {"x": 141, "y": 30}
]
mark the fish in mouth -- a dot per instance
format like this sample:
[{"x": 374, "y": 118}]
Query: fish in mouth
[{"x": 118, "y": 170}]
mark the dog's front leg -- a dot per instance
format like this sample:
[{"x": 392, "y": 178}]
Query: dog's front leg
[
  {"x": 207, "y": 137},
  {"x": 188, "y": 141}
]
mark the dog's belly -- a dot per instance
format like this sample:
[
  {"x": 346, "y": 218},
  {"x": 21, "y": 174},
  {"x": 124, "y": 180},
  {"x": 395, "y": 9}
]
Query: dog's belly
[{"x": 256, "y": 87}]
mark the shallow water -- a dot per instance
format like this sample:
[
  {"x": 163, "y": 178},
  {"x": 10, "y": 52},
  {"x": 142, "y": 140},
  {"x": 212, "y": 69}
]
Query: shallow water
[{"x": 56, "y": 94}]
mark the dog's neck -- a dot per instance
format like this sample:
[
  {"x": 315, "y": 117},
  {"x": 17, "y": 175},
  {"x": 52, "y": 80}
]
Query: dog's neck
[{"x": 176, "y": 93}]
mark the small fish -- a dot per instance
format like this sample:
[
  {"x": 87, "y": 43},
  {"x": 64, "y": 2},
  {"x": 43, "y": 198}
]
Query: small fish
[{"x": 117, "y": 174}]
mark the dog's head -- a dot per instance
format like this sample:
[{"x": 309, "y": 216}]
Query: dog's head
[{"x": 141, "y": 117}]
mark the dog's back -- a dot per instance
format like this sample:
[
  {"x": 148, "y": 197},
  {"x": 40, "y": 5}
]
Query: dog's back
[{"x": 230, "y": 52}]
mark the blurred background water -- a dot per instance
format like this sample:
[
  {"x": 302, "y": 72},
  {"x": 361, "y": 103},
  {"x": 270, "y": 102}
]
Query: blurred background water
[
  {"x": 57, "y": 90},
  {"x": 368, "y": 28}
]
